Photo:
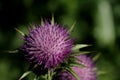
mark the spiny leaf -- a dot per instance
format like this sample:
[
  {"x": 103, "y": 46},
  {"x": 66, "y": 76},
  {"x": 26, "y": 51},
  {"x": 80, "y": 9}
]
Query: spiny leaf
[
  {"x": 72, "y": 27},
  {"x": 72, "y": 72},
  {"x": 101, "y": 72},
  {"x": 79, "y": 46},
  {"x": 75, "y": 62},
  {"x": 32, "y": 26},
  {"x": 95, "y": 58},
  {"x": 42, "y": 22},
  {"x": 70, "y": 61},
  {"x": 79, "y": 53},
  {"x": 24, "y": 75},
  {"x": 52, "y": 22},
  {"x": 72, "y": 58},
  {"x": 13, "y": 51},
  {"x": 77, "y": 65},
  {"x": 19, "y": 31}
]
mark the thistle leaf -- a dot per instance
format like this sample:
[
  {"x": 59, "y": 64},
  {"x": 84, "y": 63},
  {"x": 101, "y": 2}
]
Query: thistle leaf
[
  {"x": 19, "y": 31},
  {"x": 72, "y": 27},
  {"x": 101, "y": 72},
  {"x": 72, "y": 72},
  {"x": 79, "y": 53},
  {"x": 31, "y": 26},
  {"x": 76, "y": 64},
  {"x": 25, "y": 74},
  {"x": 95, "y": 58},
  {"x": 72, "y": 58},
  {"x": 13, "y": 51},
  {"x": 73, "y": 61},
  {"x": 42, "y": 22},
  {"x": 52, "y": 22},
  {"x": 79, "y": 46}
]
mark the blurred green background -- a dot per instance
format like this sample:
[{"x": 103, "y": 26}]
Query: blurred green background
[{"x": 98, "y": 23}]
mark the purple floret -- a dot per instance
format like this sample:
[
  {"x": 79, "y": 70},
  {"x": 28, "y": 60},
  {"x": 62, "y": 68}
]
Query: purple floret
[{"x": 47, "y": 45}]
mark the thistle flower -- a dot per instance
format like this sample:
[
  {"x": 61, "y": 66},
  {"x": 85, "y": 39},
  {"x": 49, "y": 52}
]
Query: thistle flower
[
  {"x": 47, "y": 45},
  {"x": 86, "y": 73}
]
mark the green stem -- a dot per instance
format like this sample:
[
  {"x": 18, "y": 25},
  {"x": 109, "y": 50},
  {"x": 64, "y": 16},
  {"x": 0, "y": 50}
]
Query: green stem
[{"x": 49, "y": 75}]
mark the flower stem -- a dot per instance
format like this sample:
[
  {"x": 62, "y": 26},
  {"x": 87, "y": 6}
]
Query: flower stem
[{"x": 49, "y": 75}]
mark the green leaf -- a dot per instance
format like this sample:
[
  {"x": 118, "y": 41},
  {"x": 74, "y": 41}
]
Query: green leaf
[
  {"x": 52, "y": 22},
  {"x": 36, "y": 78},
  {"x": 42, "y": 22},
  {"x": 77, "y": 64},
  {"x": 95, "y": 58},
  {"x": 79, "y": 46},
  {"x": 54, "y": 73},
  {"x": 79, "y": 53},
  {"x": 72, "y": 58},
  {"x": 24, "y": 75},
  {"x": 73, "y": 61},
  {"x": 31, "y": 26},
  {"x": 13, "y": 51},
  {"x": 43, "y": 77},
  {"x": 101, "y": 72},
  {"x": 19, "y": 31},
  {"x": 72, "y": 72},
  {"x": 72, "y": 27}
]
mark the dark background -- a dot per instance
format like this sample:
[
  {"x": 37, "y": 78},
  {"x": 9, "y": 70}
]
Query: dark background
[{"x": 98, "y": 23}]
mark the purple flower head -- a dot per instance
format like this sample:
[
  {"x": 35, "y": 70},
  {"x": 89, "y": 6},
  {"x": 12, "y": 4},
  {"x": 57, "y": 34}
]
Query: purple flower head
[
  {"x": 47, "y": 45},
  {"x": 86, "y": 73}
]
